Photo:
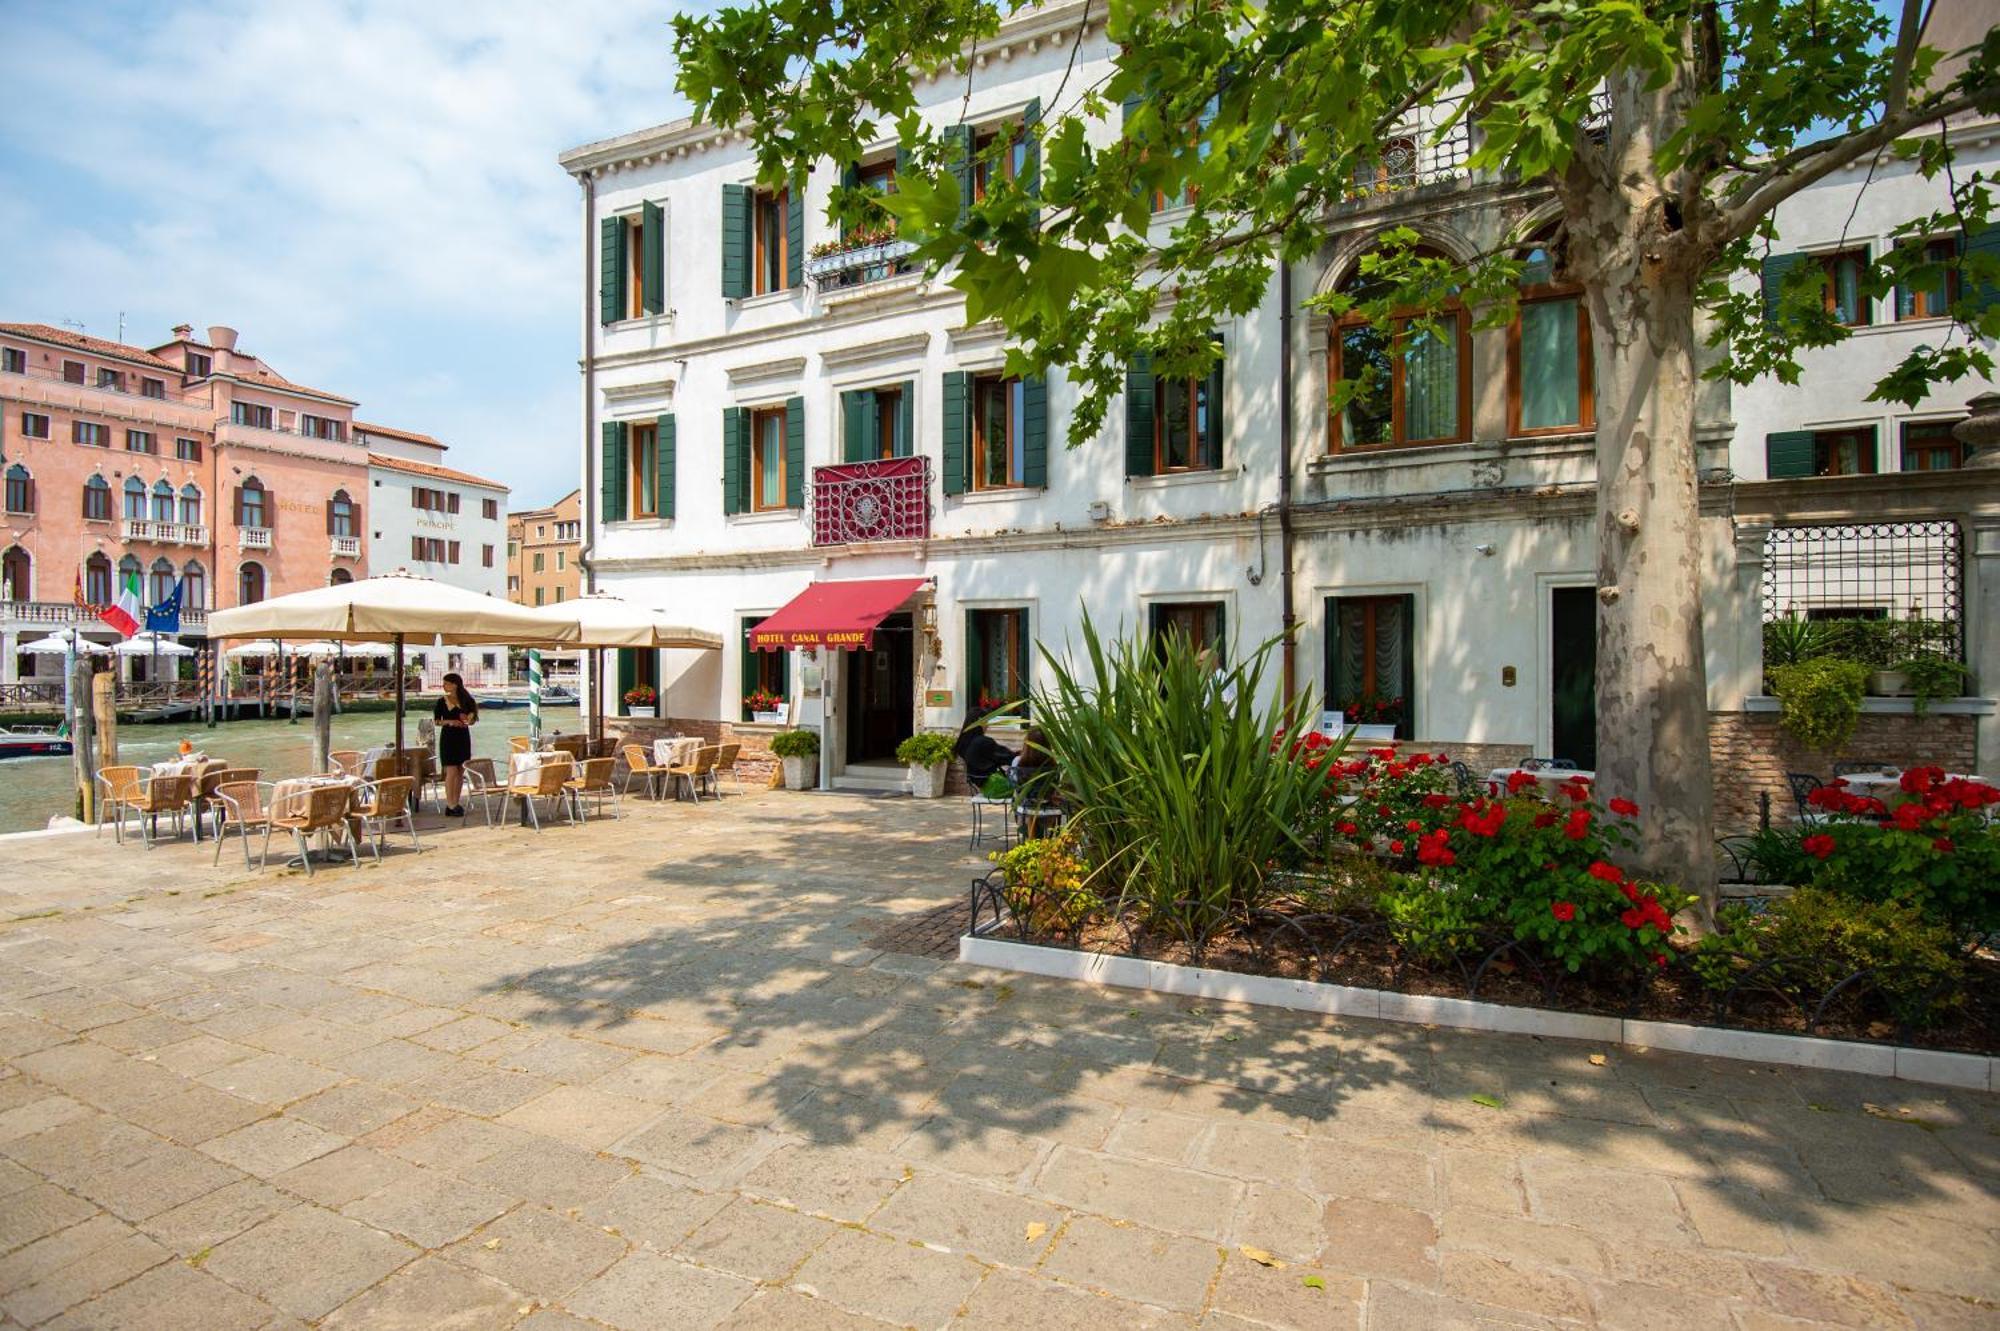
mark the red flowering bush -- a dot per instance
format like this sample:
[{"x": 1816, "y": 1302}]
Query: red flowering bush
[{"x": 1934, "y": 850}]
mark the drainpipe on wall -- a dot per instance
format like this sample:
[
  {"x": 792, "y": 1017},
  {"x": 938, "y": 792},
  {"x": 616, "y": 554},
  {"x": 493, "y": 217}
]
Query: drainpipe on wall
[
  {"x": 587, "y": 501},
  {"x": 1289, "y": 621}
]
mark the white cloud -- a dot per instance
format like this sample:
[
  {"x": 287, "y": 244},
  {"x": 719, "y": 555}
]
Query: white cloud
[{"x": 367, "y": 190}]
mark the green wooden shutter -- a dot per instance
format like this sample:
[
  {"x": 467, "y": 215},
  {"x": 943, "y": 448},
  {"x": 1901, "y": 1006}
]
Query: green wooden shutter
[
  {"x": 960, "y": 154},
  {"x": 746, "y": 675},
  {"x": 975, "y": 660},
  {"x": 735, "y": 241},
  {"x": 611, "y": 270},
  {"x": 664, "y": 447},
  {"x": 1035, "y": 432},
  {"x": 906, "y": 420},
  {"x": 628, "y": 675},
  {"x": 653, "y": 247},
  {"x": 1775, "y": 269},
  {"x": 1214, "y": 433},
  {"x": 1788, "y": 453},
  {"x": 795, "y": 452},
  {"x": 1408, "y": 722},
  {"x": 614, "y": 471},
  {"x": 1140, "y": 387},
  {"x": 1031, "y": 154},
  {"x": 852, "y": 422},
  {"x": 795, "y": 234},
  {"x": 735, "y": 459},
  {"x": 1984, "y": 293},
  {"x": 957, "y": 430}
]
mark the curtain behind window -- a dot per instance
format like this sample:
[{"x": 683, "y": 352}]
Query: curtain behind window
[
  {"x": 1548, "y": 365},
  {"x": 1430, "y": 391}
]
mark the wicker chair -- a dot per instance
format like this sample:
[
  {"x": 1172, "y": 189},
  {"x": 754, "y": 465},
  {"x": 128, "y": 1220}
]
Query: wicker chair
[
  {"x": 321, "y": 809},
  {"x": 725, "y": 762},
  {"x": 344, "y": 762},
  {"x": 519, "y": 744},
  {"x": 219, "y": 775},
  {"x": 160, "y": 794},
  {"x": 637, "y": 763},
  {"x": 117, "y": 788},
  {"x": 593, "y": 782},
  {"x": 576, "y": 746},
  {"x": 379, "y": 806},
  {"x": 482, "y": 783},
  {"x": 698, "y": 773},
  {"x": 544, "y": 782},
  {"x": 245, "y": 806}
]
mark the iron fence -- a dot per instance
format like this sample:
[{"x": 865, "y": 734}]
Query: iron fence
[{"x": 1869, "y": 570}]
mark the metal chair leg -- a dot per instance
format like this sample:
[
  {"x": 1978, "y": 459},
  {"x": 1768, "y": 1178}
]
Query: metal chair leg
[{"x": 305, "y": 851}]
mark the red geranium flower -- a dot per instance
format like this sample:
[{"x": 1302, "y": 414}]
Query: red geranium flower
[
  {"x": 1909, "y": 817},
  {"x": 1547, "y": 819},
  {"x": 1579, "y": 823},
  {"x": 1436, "y": 801},
  {"x": 1943, "y": 845},
  {"x": 1348, "y": 829},
  {"x": 1563, "y": 910},
  {"x": 1395, "y": 847},
  {"x": 1610, "y": 873},
  {"x": 1633, "y": 918},
  {"x": 1413, "y": 826},
  {"x": 1621, "y": 805},
  {"x": 1819, "y": 846},
  {"x": 1520, "y": 781}
]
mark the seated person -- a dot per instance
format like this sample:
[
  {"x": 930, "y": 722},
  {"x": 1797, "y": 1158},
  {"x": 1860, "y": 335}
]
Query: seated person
[
  {"x": 981, "y": 753},
  {"x": 1034, "y": 771}
]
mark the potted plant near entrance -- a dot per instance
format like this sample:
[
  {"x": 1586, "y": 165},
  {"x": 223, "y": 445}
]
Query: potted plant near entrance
[
  {"x": 641, "y": 701},
  {"x": 798, "y": 751},
  {"x": 927, "y": 754}
]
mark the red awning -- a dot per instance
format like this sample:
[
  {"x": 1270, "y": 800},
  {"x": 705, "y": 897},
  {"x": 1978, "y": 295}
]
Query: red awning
[{"x": 834, "y": 614}]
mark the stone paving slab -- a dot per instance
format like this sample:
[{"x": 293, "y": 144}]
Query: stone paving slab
[{"x": 716, "y": 1067}]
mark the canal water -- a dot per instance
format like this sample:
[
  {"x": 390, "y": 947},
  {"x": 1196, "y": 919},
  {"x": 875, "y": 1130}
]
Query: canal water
[{"x": 34, "y": 789}]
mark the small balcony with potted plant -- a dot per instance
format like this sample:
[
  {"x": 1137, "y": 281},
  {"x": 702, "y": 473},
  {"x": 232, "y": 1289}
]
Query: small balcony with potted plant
[{"x": 865, "y": 259}]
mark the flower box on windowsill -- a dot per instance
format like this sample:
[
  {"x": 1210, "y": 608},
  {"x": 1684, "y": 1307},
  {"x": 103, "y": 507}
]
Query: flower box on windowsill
[
  {"x": 840, "y": 262},
  {"x": 768, "y": 718},
  {"x": 642, "y": 713}
]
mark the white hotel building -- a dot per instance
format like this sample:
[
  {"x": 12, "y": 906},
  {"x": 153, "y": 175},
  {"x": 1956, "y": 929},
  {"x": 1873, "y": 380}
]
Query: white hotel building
[{"x": 759, "y": 420}]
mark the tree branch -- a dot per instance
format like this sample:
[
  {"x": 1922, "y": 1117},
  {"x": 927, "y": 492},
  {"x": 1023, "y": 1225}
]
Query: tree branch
[
  {"x": 1828, "y": 157},
  {"x": 1911, "y": 28}
]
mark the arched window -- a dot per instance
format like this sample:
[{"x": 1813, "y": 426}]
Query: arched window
[
  {"x": 163, "y": 501},
  {"x": 251, "y": 504},
  {"x": 20, "y": 490},
  {"x": 194, "y": 586},
  {"x": 338, "y": 577},
  {"x": 160, "y": 582},
  {"x": 97, "y": 499},
  {"x": 250, "y": 583},
  {"x": 1412, "y": 385},
  {"x": 135, "y": 499},
  {"x": 340, "y": 515},
  {"x": 1549, "y": 358},
  {"x": 97, "y": 577},
  {"x": 16, "y": 575},
  {"x": 129, "y": 570},
  {"x": 191, "y": 505}
]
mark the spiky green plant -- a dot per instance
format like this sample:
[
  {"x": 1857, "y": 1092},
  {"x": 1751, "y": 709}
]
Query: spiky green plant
[{"x": 1182, "y": 800}]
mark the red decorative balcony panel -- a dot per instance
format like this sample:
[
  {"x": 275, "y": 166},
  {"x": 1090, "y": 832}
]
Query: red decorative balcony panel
[{"x": 872, "y": 501}]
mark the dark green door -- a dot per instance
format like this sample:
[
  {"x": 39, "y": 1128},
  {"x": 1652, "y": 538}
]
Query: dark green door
[{"x": 1573, "y": 676}]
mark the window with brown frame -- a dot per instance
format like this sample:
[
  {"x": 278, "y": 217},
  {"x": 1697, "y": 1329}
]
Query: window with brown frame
[
  {"x": 999, "y": 462},
  {"x": 1845, "y": 270},
  {"x": 1930, "y": 298},
  {"x": 1549, "y": 358},
  {"x": 1181, "y": 431},
  {"x": 72, "y": 371},
  {"x": 769, "y": 238},
  {"x": 1197, "y": 134},
  {"x": 1849, "y": 452},
  {"x": 643, "y": 459},
  {"x": 767, "y": 460},
  {"x": 1414, "y": 386},
  {"x": 1929, "y": 446},
  {"x": 1200, "y": 622},
  {"x": 988, "y": 166}
]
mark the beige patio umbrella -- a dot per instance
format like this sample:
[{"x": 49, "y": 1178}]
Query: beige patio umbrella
[
  {"x": 601, "y": 620},
  {"x": 396, "y": 606}
]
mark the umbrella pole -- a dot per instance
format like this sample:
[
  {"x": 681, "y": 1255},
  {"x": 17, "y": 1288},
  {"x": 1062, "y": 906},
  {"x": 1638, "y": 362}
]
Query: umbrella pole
[{"x": 399, "y": 693}]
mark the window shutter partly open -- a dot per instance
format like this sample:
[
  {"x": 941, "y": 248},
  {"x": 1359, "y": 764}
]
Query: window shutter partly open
[
  {"x": 1035, "y": 432},
  {"x": 614, "y": 471},
  {"x": 795, "y": 234},
  {"x": 611, "y": 270},
  {"x": 1985, "y": 293},
  {"x": 1775, "y": 270},
  {"x": 653, "y": 241},
  {"x": 795, "y": 452},
  {"x": 960, "y": 155},
  {"x": 735, "y": 241},
  {"x": 957, "y": 431},
  {"x": 1212, "y": 432},
  {"x": 855, "y": 410},
  {"x": 1788, "y": 453},
  {"x": 735, "y": 459},
  {"x": 975, "y": 661},
  {"x": 1139, "y": 391},
  {"x": 906, "y": 420},
  {"x": 664, "y": 448}
]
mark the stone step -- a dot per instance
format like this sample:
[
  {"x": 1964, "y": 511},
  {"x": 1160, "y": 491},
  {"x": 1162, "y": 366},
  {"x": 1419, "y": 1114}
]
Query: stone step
[{"x": 880, "y": 780}]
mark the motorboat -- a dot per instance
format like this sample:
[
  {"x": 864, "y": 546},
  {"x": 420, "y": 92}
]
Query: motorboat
[{"x": 32, "y": 742}]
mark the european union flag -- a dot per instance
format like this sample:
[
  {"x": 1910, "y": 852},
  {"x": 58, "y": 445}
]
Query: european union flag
[{"x": 166, "y": 616}]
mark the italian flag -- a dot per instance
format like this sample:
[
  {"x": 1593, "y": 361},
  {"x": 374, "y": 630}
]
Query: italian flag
[{"x": 123, "y": 612}]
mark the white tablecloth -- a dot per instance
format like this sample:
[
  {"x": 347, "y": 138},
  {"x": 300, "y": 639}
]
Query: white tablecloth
[
  {"x": 678, "y": 752},
  {"x": 288, "y": 797},
  {"x": 1550, "y": 779},
  {"x": 1885, "y": 786},
  {"x": 188, "y": 766}
]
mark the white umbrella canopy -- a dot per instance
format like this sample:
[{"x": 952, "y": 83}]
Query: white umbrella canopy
[
  {"x": 394, "y": 605},
  {"x": 149, "y": 644},
  {"x": 602, "y": 620},
  {"x": 56, "y": 644}
]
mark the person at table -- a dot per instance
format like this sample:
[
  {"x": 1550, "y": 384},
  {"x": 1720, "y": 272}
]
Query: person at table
[
  {"x": 981, "y": 753},
  {"x": 455, "y": 713}
]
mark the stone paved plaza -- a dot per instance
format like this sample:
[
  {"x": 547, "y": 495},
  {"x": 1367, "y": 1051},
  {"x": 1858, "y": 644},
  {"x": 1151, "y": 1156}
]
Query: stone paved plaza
[{"x": 654, "y": 1073}]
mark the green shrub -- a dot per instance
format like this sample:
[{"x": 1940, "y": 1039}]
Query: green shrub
[
  {"x": 1933, "y": 675},
  {"x": 1044, "y": 883},
  {"x": 1171, "y": 770},
  {"x": 1432, "y": 921},
  {"x": 1937, "y": 850},
  {"x": 1820, "y": 937},
  {"x": 1822, "y": 700},
  {"x": 925, "y": 749},
  {"x": 795, "y": 744},
  {"x": 1789, "y": 641}
]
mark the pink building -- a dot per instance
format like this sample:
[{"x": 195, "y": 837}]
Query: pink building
[{"x": 192, "y": 461}]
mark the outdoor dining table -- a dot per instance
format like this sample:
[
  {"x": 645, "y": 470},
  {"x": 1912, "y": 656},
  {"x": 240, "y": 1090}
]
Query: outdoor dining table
[
  {"x": 191, "y": 765},
  {"x": 677, "y": 750},
  {"x": 288, "y": 798},
  {"x": 1551, "y": 779},
  {"x": 1886, "y": 784}
]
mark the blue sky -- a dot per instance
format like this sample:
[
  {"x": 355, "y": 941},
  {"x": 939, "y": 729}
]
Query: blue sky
[{"x": 366, "y": 189}]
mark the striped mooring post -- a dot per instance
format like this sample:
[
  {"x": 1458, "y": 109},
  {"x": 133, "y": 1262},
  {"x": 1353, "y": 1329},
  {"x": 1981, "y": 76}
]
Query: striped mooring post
[{"x": 535, "y": 696}]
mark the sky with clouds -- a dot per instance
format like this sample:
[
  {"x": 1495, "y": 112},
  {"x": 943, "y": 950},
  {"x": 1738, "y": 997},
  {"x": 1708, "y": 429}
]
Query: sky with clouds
[{"x": 366, "y": 189}]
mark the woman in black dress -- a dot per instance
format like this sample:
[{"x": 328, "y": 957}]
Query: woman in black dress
[{"x": 456, "y": 713}]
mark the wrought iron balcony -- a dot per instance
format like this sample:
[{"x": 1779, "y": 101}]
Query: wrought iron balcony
[
  {"x": 863, "y": 263},
  {"x": 889, "y": 500},
  {"x": 1418, "y": 152},
  {"x": 344, "y": 547},
  {"x": 253, "y": 538},
  {"x": 164, "y": 533}
]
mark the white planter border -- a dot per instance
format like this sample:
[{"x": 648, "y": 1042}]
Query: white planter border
[{"x": 1937, "y": 1067}]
